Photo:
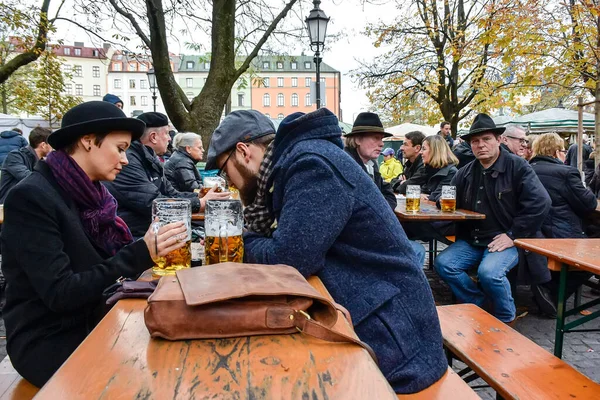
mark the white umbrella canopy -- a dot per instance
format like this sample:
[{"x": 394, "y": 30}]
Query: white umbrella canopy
[
  {"x": 399, "y": 131},
  {"x": 551, "y": 120}
]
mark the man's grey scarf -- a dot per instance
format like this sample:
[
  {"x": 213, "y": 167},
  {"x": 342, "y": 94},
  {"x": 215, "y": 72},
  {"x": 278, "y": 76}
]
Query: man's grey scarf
[{"x": 257, "y": 216}]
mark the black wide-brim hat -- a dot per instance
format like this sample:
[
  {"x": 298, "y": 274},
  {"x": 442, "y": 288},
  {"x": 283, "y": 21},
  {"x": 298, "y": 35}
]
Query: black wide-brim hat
[
  {"x": 94, "y": 117},
  {"x": 367, "y": 122},
  {"x": 483, "y": 123}
]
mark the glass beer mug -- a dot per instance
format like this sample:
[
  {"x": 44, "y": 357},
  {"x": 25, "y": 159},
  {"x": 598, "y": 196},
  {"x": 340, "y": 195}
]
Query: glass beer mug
[
  {"x": 448, "y": 199},
  {"x": 413, "y": 198},
  {"x": 168, "y": 211},
  {"x": 223, "y": 227},
  {"x": 212, "y": 181}
]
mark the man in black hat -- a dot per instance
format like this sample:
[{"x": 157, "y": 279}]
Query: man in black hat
[
  {"x": 143, "y": 179},
  {"x": 364, "y": 144},
  {"x": 506, "y": 189}
]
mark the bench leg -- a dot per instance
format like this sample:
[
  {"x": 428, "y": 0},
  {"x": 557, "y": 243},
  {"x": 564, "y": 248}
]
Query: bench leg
[
  {"x": 578, "y": 296},
  {"x": 560, "y": 315}
]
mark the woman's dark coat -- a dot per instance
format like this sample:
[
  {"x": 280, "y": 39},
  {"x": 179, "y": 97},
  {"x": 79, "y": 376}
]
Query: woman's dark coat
[{"x": 181, "y": 171}]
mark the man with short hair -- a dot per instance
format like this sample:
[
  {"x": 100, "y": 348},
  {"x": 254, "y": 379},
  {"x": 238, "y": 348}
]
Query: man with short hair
[
  {"x": 322, "y": 214},
  {"x": 143, "y": 179},
  {"x": 571, "y": 158},
  {"x": 19, "y": 163},
  {"x": 505, "y": 188},
  {"x": 445, "y": 132},
  {"x": 414, "y": 169},
  {"x": 514, "y": 140},
  {"x": 9, "y": 141}
]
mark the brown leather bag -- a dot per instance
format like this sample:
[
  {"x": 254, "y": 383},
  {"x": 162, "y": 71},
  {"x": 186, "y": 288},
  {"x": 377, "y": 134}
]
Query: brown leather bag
[{"x": 232, "y": 299}]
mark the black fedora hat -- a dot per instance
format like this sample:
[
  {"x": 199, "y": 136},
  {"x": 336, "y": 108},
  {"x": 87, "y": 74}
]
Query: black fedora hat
[
  {"x": 368, "y": 122},
  {"x": 94, "y": 117},
  {"x": 483, "y": 123}
]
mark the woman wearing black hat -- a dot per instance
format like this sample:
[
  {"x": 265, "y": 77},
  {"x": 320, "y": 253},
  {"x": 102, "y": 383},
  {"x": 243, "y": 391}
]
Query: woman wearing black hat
[{"x": 63, "y": 244}]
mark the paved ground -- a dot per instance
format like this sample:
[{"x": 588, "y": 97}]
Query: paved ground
[{"x": 581, "y": 350}]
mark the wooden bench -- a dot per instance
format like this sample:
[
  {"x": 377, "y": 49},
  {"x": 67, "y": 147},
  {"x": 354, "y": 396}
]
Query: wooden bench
[
  {"x": 514, "y": 366},
  {"x": 12, "y": 385}
]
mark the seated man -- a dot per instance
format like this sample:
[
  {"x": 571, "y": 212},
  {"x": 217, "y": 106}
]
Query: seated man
[
  {"x": 19, "y": 163},
  {"x": 414, "y": 169},
  {"x": 322, "y": 214},
  {"x": 143, "y": 179},
  {"x": 506, "y": 189}
]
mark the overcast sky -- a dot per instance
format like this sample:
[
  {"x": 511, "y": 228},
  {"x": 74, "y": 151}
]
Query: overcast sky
[{"x": 348, "y": 17}]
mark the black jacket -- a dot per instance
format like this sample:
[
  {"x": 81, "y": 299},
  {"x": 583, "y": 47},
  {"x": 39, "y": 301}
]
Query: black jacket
[
  {"x": 571, "y": 201},
  {"x": 520, "y": 205},
  {"x": 384, "y": 187},
  {"x": 16, "y": 167},
  {"x": 415, "y": 174},
  {"x": 55, "y": 275},
  {"x": 449, "y": 139},
  {"x": 181, "y": 171},
  {"x": 437, "y": 179},
  {"x": 138, "y": 184},
  {"x": 464, "y": 154},
  {"x": 571, "y": 158}
]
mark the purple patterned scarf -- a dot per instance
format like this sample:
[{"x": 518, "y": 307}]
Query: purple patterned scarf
[{"x": 97, "y": 207}]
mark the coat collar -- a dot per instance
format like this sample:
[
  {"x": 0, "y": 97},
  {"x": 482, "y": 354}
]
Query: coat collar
[
  {"x": 547, "y": 159},
  {"x": 497, "y": 168},
  {"x": 46, "y": 172}
]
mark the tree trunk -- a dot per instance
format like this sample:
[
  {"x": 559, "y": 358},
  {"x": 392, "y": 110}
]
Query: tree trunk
[
  {"x": 597, "y": 116},
  {"x": 4, "y": 100}
]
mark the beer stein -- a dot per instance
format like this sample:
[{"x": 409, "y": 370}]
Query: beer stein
[
  {"x": 448, "y": 199},
  {"x": 212, "y": 181},
  {"x": 168, "y": 211},
  {"x": 413, "y": 198},
  {"x": 223, "y": 227}
]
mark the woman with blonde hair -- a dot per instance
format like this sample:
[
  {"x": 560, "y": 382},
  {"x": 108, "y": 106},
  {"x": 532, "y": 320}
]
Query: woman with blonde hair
[
  {"x": 440, "y": 166},
  {"x": 571, "y": 201}
]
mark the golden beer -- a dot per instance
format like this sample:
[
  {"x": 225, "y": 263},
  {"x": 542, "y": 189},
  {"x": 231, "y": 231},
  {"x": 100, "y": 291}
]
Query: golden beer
[
  {"x": 448, "y": 205},
  {"x": 223, "y": 249},
  {"x": 174, "y": 261},
  {"x": 205, "y": 190},
  {"x": 413, "y": 204}
]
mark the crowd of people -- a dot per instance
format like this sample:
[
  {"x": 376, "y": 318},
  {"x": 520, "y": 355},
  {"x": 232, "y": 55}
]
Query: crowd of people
[{"x": 86, "y": 190}]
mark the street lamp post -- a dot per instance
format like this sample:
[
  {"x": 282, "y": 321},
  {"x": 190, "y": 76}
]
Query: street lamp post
[
  {"x": 152, "y": 84},
  {"x": 316, "y": 25}
]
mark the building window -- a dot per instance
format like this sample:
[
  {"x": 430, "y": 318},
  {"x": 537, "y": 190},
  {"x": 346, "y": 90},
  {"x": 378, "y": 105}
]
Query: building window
[
  {"x": 189, "y": 82},
  {"x": 240, "y": 100},
  {"x": 279, "y": 65},
  {"x": 96, "y": 90},
  {"x": 266, "y": 82},
  {"x": 144, "y": 100},
  {"x": 69, "y": 88},
  {"x": 280, "y": 101},
  {"x": 132, "y": 100},
  {"x": 294, "y": 100},
  {"x": 95, "y": 53},
  {"x": 96, "y": 72},
  {"x": 279, "y": 82},
  {"x": 143, "y": 84},
  {"x": 143, "y": 67},
  {"x": 307, "y": 82},
  {"x": 294, "y": 82},
  {"x": 67, "y": 51},
  {"x": 294, "y": 65},
  {"x": 324, "y": 101},
  {"x": 77, "y": 52},
  {"x": 117, "y": 84},
  {"x": 119, "y": 56},
  {"x": 78, "y": 70},
  {"x": 266, "y": 65},
  {"x": 307, "y": 101},
  {"x": 116, "y": 66},
  {"x": 207, "y": 65},
  {"x": 280, "y": 116},
  {"x": 133, "y": 66},
  {"x": 189, "y": 95},
  {"x": 67, "y": 69},
  {"x": 268, "y": 115},
  {"x": 267, "y": 100},
  {"x": 189, "y": 65},
  {"x": 307, "y": 64},
  {"x": 79, "y": 90},
  {"x": 322, "y": 80},
  {"x": 132, "y": 84}
]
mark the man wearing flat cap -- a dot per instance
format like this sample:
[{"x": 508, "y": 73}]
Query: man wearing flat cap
[
  {"x": 505, "y": 188},
  {"x": 143, "y": 179},
  {"x": 311, "y": 206}
]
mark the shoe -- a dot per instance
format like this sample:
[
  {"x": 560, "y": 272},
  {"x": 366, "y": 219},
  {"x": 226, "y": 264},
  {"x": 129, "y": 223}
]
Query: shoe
[{"x": 543, "y": 298}]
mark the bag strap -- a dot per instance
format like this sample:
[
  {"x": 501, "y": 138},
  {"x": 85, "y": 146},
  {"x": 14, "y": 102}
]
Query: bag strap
[{"x": 305, "y": 324}]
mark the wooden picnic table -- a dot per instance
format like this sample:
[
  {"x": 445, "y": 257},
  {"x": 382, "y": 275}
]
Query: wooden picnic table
[
  {"x": 198, "y": 216},
  {"x": 565, "y": 255},
  {"x": 430, "y": 212},
  {"x": 120, "y": 360}
]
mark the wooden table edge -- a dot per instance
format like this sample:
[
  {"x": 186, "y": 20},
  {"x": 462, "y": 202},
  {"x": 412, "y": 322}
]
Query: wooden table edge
[{"x": 527, "y": 245}]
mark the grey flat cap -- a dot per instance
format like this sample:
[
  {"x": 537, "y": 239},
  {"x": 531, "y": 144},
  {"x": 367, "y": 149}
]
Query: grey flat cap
[{"x": 238, "y": 126}]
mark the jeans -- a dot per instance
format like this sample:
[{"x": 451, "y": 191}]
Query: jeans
[
  {"x": 453, "y": 263},
  {"x": 420, "y": 250}
]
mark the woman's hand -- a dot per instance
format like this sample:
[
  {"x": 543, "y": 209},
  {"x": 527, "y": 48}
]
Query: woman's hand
[
  {"x": 212, "y": 195},
  {"x": 168, "y": 238}
]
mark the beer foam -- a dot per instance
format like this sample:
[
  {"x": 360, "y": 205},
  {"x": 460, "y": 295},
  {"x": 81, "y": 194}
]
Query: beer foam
[{"x": 221, "y": 228}]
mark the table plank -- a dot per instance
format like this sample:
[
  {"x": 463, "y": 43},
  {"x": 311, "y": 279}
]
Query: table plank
[
  {"x": 198, "y": 216},
  {"x": 430, "y": 212},
  {"x": 128, "y": 364},
  {"x": 580, "y": 253},
  {"x": 12, "y": 385}
]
